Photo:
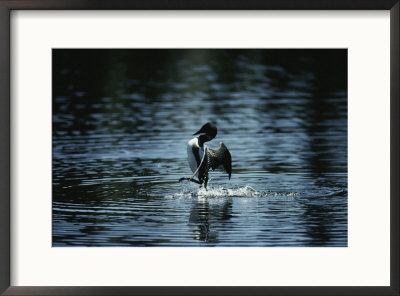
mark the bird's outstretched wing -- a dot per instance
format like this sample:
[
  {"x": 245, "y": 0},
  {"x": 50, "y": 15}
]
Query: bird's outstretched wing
[{"x": 213, "y": 158}]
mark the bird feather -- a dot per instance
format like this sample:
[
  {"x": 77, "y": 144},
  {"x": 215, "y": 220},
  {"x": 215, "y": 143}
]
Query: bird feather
[{"x": 214, "y": 158}]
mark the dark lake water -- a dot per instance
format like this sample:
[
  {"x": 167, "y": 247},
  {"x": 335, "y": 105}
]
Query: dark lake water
[{"x": 122, "y": 120}]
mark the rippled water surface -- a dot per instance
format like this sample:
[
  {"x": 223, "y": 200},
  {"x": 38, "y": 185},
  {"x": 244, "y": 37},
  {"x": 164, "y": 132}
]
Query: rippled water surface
[{"x": 122, "y": 120}]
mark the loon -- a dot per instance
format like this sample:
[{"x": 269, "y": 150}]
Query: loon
[{"x": 202, "y": 158}]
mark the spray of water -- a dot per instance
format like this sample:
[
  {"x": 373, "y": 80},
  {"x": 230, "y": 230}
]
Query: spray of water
[{"x": 212, "y": 192}]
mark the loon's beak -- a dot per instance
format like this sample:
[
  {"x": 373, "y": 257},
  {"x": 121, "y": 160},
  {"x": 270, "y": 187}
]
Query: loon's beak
[{"x": 198, "y": 132}]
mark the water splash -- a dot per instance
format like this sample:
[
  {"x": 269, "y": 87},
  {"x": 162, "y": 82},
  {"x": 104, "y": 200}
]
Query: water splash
[{"x": 244, "y": 191}]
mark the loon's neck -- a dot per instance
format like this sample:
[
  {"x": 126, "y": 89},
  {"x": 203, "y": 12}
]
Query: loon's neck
[{"x": 202, "y": 139}]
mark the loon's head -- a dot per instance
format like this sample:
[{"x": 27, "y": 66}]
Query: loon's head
[{"x": 208, "y": 131}]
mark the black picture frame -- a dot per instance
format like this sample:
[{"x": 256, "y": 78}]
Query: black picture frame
[{"x": 7, "y": 6}]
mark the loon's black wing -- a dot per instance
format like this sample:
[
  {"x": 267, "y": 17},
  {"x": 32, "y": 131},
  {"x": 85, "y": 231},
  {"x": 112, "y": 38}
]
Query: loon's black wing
[{"x": 213, "y": 158}]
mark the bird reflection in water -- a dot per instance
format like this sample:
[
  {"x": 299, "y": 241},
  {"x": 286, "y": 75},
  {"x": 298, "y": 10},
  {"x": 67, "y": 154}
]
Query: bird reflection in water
[{"x": 204, "y": 216}]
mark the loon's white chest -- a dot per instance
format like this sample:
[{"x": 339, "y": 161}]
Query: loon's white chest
[{"x": 193, "y": 148}]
